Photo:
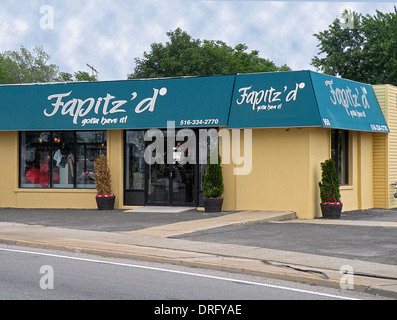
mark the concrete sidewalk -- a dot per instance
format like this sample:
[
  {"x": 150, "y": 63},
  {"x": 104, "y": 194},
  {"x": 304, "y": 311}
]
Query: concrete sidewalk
[{"x": 153, "y": 242}]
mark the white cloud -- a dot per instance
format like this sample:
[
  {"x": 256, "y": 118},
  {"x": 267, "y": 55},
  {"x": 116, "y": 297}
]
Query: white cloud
[{"x": 110, "y": 34}]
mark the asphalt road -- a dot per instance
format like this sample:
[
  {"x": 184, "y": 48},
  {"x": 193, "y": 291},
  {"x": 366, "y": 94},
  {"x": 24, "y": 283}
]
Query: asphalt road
[
  {"x": 27, "y": 274},
  {"x": 372, "y": 244}
]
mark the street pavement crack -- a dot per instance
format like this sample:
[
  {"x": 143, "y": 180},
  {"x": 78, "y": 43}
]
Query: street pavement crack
[{"x": 322, "y": 274}]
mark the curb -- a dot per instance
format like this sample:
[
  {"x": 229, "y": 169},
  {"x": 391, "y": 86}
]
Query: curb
[
  {"x": 274, "y": 273},
  {"x": 384, "y": 291}
]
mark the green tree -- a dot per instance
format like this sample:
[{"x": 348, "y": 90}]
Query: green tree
[
  {"x": 23, "y": 66},
  {"x": 65, "y": 77},
  {"x": 360, "y": 48},
  {"x": 184, "y": 56},
  {"x": 84, "y": 76},
  {"x": 78, "y": 76},
  {"x": 4, "y": 75}
]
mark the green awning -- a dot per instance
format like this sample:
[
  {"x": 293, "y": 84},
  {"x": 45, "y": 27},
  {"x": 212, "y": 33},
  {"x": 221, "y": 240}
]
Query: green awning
[
  {"x": 304, "y": 99},
  {"x": 131, "y": 104},
  {"x": 260, "y": 100}
]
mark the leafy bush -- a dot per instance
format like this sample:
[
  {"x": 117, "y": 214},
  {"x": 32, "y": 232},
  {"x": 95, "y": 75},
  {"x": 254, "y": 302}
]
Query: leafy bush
[
  {"x": 102, "y": 176},
  {"x": 213, "y": 180},
  {"x": 329, "y": 185}
]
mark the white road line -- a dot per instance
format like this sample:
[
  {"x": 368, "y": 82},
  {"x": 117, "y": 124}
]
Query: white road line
[{"x": 177, "y": 272}]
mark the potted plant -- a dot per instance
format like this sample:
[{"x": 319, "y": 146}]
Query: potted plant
[
  {"x": 331, "y": 207},
  {"x": 105, "y": 198},
  {"x": 213, "y": 187}
]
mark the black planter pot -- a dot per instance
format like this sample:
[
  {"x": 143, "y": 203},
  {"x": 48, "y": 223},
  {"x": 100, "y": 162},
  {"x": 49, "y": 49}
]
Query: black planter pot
[
  {"x": 105, "y": 203},
  {"x": 213, "y": 204},
  {"x": 331, "y": 211}
]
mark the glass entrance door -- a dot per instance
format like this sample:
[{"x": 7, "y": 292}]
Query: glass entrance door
[{"x": 172, "y": 182}]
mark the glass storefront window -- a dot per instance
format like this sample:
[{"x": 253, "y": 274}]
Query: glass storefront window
[
  {"x": 60, "y": 159},
  {"x": 340, "y": 154},
  {"x": 134, "y": 159},
  {"x": 35, "y": 159},
  {"x": 175, "y": 177},
  {"x": 62, "y": 168},
  {"x": 89, "y": 146}
]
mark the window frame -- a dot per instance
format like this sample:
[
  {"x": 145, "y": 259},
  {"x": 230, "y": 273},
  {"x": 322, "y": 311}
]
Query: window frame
[
  {"x": 343, "y": 174},
  {"x": 127, "y": 185},
  {"x": 52, "y": 186}
]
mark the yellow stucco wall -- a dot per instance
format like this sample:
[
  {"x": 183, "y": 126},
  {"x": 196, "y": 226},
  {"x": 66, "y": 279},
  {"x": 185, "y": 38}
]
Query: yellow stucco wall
[
  {"x": 116, "y": 164},
  {"x": 8, "y": 168},
  {"x": 365, "y": 171},
  {"x": 286, "y": 171},
  {"x": 358, "y": 194}
]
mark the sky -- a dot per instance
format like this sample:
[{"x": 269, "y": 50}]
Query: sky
[{"x": 110, "y": 34}]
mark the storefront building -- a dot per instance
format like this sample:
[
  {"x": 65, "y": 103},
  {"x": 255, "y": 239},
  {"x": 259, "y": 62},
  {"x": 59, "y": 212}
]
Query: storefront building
[{"x": 275, "y": 129}]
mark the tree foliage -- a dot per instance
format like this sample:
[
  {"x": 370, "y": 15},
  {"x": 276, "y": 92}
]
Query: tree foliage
[
  {"x": 360, "y": 48},
  {"x": 184, "y": 56},
  {"x": 78, "y": 76},
  {"x": 23, "y": 66}
]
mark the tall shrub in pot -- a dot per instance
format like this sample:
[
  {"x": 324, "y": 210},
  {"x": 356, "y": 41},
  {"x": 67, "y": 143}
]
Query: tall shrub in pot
[
  {"x": 213, "y": 187},
  {"x": 331, "y": 206},
  {"x": 105, "y": 198}
]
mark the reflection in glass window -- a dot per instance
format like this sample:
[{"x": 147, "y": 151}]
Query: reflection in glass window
[
  {"x": 60, "y": 159},
  {"x": 90, "y": 145},
  {"x": 340, "y": 154},
  {"x": 135, "y": 149},
  {"x": 35, "y": 159},
  {"x": 62, "y": 168}
]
